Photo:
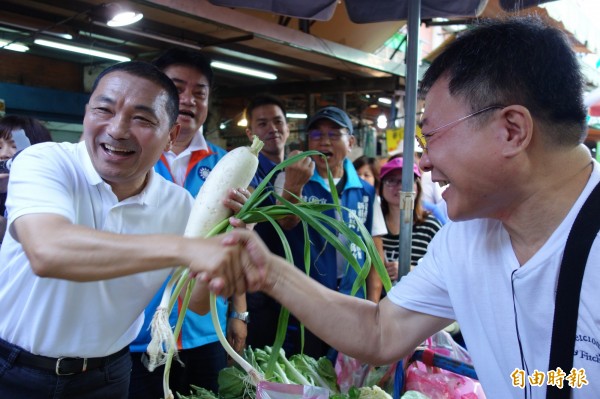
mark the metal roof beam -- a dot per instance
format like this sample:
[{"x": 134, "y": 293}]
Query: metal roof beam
[{"x": 386, "y": 84}]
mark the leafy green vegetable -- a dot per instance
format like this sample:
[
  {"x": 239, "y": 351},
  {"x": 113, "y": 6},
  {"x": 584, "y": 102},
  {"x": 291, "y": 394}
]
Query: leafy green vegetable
[
  {"x": 318, "y": 372},
  {"x": 198, "y": 393},
  {"x": 299, "y": 369},
  {"x": 353, "y": 393},
  {"x": 261, "y": 364},
  {"x": 233, "y": 383},
  {"x": 373, "y": 392}
]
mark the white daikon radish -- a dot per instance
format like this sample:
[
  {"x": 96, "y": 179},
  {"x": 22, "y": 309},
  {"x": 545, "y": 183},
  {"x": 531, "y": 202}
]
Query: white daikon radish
[{"x": 235, "y": 170}]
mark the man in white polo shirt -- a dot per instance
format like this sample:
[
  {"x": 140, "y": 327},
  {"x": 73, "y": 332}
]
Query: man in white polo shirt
[{"x": 93, "y": 232}]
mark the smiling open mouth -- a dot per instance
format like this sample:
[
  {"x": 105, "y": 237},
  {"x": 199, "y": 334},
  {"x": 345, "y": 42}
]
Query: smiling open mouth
[
  {"x": 187, "y": 113},
  {"x": 116, "y": 151}
]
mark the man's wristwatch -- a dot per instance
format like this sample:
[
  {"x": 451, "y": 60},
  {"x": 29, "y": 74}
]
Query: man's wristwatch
[{"x": 243, "y": 316}]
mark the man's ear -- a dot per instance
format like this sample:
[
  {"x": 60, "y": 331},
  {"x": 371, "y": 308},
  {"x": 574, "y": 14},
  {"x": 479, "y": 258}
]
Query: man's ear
[
  {"x": 518, "y": 125},
  {"x": 351, "y": 142},
  {"x": 173, "y": 133},
  {"x": 249, "y": 134}
]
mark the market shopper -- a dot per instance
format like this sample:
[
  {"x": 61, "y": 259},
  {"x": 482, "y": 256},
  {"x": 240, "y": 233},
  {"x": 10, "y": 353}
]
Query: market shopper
[
  {"x": 266, "y": 115},
  {"x": 93, "y": 232},
  {"x": 368, "y": 169},
  {"x": 330, "y": 132},
  {"x": 187, "y": 163},
  {"x": 16, "y": 133},
  {"x": 425, "y": 224},
  {"x": 503, "y": 125}
]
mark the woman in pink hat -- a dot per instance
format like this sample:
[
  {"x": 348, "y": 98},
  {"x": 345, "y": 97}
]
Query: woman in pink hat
[{"x": 425, "y": 225}]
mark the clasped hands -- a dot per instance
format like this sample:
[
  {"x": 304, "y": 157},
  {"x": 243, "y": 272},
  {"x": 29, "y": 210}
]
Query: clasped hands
[{"x": 233, "y": 263}]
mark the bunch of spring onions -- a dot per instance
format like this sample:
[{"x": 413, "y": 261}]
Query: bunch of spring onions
[{"x": 310, "y": 214}]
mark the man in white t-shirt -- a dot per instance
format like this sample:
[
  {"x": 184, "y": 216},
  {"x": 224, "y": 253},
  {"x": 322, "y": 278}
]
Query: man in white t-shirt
[
  {"x": 93, "y": 232},
  {"x": 503, "y": 127}
]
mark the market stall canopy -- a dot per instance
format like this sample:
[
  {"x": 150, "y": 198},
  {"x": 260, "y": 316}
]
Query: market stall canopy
[{"x": 361, "y": 11}]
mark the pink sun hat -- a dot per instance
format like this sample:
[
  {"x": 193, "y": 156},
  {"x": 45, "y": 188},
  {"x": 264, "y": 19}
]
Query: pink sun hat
[{"x": 396, "y": 164}]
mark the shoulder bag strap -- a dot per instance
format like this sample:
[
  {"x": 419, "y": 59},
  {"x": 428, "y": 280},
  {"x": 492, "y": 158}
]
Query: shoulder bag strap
[{"x": 566, "y": 307}]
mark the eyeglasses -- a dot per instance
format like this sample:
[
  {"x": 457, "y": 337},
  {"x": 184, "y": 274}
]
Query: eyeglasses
[
  {"x": 392, "y": 182},
  {"x": 422, "y": 138},
  {"x": 318, "y": 135}
]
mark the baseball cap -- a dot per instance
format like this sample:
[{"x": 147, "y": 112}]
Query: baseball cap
[
  {"x": 396, "y": 164},
  {"x": 334, "y": 114}
]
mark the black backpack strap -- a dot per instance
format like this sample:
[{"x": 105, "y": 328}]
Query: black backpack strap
[{"x": 566, "y": 307}]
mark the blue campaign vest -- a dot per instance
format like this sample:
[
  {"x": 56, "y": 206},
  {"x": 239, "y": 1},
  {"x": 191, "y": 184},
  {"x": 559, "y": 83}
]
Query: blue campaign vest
[
  {"x": 357, "y": 195},
  {"x": 197, "y": 330}
]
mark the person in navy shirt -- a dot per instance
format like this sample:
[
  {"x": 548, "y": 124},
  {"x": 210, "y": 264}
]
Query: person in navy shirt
[{"x": 329, "y": 131}]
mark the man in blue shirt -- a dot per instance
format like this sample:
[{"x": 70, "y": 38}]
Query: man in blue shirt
[
  {"x": 330, "y": 132},
  {"x": 266, "y": 117}
]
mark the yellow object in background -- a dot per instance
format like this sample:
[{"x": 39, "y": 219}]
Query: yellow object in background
[{"x": 394, "y": 138}]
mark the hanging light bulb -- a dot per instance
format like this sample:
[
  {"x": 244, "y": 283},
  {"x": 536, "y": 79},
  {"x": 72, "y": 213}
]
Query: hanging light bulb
[
  {"x": 119, "y": 15},
  {"x": 382, "y": 121}
]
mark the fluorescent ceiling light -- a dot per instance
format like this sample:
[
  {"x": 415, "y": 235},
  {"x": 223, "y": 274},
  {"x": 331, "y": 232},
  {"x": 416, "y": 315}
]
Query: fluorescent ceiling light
[
  {"x": 243, "y": 70},
  {"x": 385, "y": 100},
  {"x": 296, "y": 116},
  {"x": 66, "y": 36},
  {"x": 81, "y": 50},
  {"x": 101, "y": 37},
  {"x": 21, "y": 48}
]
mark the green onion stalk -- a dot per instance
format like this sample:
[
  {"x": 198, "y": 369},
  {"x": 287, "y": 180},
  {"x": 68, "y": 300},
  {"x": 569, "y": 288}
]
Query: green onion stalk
[{"x": 311, "y": 215}]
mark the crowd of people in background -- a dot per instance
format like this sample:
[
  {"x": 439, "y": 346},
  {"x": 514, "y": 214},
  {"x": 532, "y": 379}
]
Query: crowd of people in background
[
  {"x": 188, "y": 158},
  {"x": 155, "y": 160},
  {"x": 187, "y": 161}
]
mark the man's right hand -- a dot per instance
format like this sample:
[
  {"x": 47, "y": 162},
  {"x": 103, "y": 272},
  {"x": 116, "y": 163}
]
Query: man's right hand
[
  {"x": 239, "y": 267},
  {"x": 298, "y": 174}
]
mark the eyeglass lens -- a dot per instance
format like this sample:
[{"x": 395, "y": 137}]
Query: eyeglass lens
[{"x": 318, "y": 135}]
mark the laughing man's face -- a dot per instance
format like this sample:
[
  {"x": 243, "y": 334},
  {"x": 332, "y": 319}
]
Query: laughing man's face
[
  {"x": 125, "y": 128},
  {"x": 194, "y": 90}
]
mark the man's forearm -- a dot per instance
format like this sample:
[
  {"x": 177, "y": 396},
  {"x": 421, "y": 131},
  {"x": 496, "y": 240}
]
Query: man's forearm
[
  {"x": 59, "y": 249},
  {"x": 374, "y": 286},
  {"x": 334, "y": 317},
  {"x": 373, "y": 333},
  {"x": 239, "y": 303}
]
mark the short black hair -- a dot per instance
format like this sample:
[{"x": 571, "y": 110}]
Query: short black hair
[
  {"x": 35, "y": 131},
  {"x": 373, "y": 164},
  {"x": 260, "y": 100},
  {"x": 149, "y": 72},
  {"x": 517, "y": 60},
  {"x": 178, "y": 56}
]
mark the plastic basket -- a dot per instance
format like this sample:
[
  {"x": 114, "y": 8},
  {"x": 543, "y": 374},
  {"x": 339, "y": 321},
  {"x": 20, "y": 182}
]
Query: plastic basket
[{"x": 432, "y": 359}]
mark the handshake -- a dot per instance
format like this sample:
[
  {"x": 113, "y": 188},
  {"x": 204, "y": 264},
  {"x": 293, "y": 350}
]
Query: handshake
[{"x": 234, "y": 263}]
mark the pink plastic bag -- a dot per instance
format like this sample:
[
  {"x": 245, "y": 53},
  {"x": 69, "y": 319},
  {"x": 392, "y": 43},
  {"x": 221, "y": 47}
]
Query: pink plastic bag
[
  {"x": 274, "y": 390},
  {"x": 352, "y": 373},
  {"x": 441, "y": 384},
  {"x": 438, "y": 383}
]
